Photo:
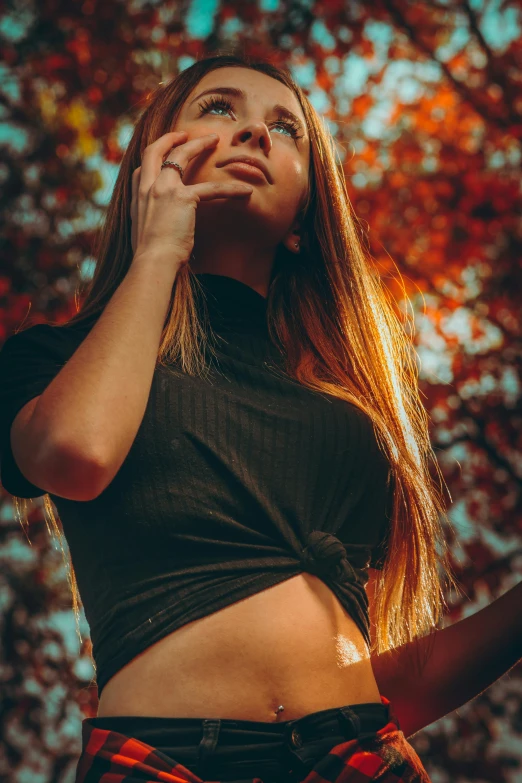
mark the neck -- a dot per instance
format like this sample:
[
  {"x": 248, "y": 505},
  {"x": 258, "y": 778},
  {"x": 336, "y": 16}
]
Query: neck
[
  {"x": 249, "y": 268},
  {"x": 235, "y": 252}
]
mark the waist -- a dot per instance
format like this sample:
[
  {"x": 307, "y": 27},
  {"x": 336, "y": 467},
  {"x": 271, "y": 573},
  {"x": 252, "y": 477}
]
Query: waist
[
  {"x": 291, "y": 645},
  {"x": 240, "y": 750}
]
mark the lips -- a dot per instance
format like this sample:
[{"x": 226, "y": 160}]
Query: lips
[{"x": 251, "y": 162}]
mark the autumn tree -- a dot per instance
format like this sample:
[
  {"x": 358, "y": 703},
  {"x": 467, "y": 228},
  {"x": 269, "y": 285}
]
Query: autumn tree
[{"x": 424, "y": 102}]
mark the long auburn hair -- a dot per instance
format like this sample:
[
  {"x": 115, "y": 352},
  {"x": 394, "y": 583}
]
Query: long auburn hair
[{"x": 343, "y": 338}]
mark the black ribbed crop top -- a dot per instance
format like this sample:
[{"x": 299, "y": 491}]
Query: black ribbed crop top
[{"x": 235, "y": 482}]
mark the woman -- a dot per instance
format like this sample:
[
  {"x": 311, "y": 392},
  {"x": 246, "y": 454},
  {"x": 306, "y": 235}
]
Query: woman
[{"x": 249, "y": 522}]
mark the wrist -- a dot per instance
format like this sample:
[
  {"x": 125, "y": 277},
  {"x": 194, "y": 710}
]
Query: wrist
[{"x": 158, "y": 259}]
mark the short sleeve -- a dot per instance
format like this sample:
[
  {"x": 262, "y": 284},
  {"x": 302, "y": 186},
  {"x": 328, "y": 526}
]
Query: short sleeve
[{"x": 29, "y": 360}]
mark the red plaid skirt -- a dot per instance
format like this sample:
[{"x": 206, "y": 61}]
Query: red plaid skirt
[{"x": 385, "y": 756}]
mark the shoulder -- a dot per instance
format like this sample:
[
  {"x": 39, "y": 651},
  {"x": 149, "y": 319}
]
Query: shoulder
[{"x": 42, "y": 341}]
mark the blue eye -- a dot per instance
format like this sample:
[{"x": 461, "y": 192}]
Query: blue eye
[{"x": 223, "y": 103}]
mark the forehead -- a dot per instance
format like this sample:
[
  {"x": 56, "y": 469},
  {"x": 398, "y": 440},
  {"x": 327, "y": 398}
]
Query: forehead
[{"x": 258, "y": 87}]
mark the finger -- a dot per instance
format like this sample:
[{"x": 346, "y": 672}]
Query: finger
[
  {"x": 166, "y": 141},
  {"x": 155, "y": 153},
  {"x": 134, "y": 206},
  {"x": 207, "y": 191},
  {"x": 192, "y": 148},
  {"x": 135, "y": 182},
  {"x": 182, "y": 155}
]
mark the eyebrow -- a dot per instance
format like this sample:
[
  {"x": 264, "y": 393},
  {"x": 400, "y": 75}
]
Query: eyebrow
[{"x": 237, "y": 93}]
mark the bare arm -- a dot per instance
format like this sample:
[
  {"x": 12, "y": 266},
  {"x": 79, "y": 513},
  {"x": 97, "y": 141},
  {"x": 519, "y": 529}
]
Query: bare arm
[
  {"x": 464, "y": 659},
  {"x": 92, "y": 410},
  {"x": 88, "y": 416}
]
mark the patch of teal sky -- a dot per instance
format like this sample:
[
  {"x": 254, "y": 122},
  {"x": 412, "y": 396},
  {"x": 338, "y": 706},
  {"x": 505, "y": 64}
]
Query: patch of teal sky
[
  {"x": 268, "y": 6},
  {"x": 15, "y": 25},
  {"x": 199, "y": 21}
]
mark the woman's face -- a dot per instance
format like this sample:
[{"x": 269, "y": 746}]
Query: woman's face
[{"x": 250, "y": 124}]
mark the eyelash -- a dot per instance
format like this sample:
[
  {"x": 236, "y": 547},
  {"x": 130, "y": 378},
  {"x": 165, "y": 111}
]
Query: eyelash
[{"x": 224, "y": 103}]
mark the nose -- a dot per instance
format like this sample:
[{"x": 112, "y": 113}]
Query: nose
[{"x": 257, "y": 132}]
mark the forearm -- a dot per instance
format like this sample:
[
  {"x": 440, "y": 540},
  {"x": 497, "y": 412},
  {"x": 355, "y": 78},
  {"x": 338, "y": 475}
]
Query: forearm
[
  {"x": 94, "y": 405},
  {"x": 464, "y": 659}
]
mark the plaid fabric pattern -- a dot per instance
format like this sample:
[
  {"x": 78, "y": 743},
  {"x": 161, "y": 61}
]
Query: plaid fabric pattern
[{"x": 386, "y": 756}]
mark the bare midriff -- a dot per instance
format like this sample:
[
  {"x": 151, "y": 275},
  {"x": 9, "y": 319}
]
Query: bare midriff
[{"x": 291, "y": 645}]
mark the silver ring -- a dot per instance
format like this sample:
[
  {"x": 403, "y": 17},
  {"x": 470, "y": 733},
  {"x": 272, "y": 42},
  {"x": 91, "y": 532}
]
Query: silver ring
[{"x": 174, "y": 165}]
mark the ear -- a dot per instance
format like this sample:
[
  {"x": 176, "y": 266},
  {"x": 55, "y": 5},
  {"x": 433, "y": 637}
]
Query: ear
[{"x": 292, "y": 241}]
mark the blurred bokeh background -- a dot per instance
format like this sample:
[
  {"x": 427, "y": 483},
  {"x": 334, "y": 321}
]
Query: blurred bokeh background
[{"x": 424, "y": 100}]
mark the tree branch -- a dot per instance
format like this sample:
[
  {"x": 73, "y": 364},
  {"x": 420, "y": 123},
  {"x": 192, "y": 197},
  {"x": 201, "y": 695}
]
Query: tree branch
[{"x": 484, "y": 110}]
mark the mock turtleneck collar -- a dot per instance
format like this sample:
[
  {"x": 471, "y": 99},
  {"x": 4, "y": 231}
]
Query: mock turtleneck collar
[{"x": 233, "y": 305}]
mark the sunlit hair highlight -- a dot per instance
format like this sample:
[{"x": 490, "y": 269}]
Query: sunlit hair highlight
[{"x": 339, "y": 332}]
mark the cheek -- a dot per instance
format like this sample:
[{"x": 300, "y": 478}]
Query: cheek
[
  {"x": 196, "y": 130},
  {"x": 292, "y": 180},
  {"x": 294, "y": 171}
]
